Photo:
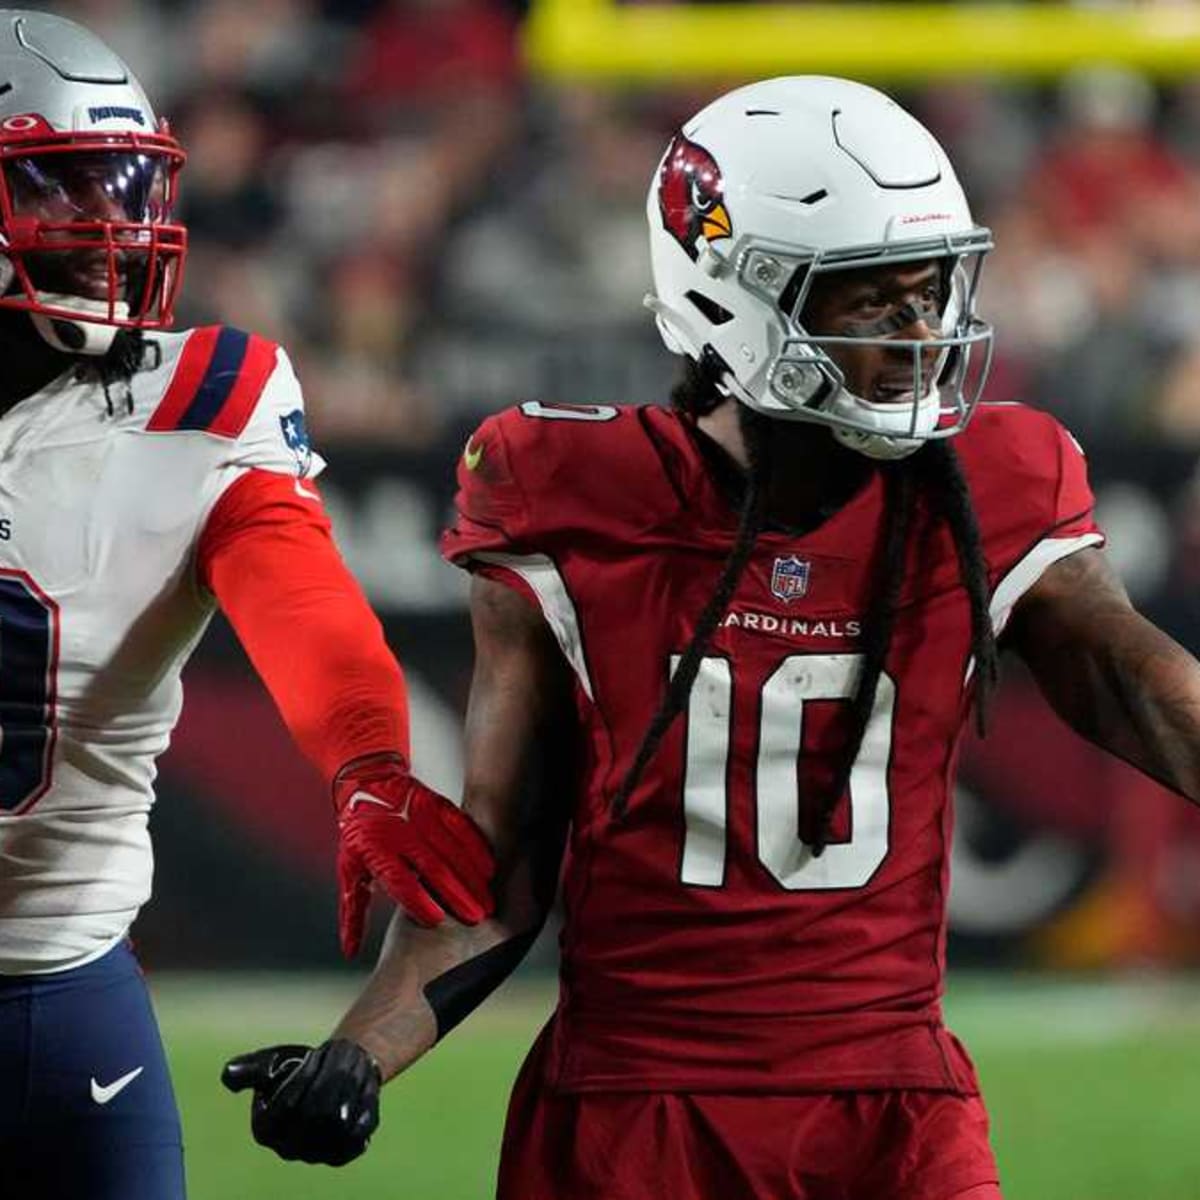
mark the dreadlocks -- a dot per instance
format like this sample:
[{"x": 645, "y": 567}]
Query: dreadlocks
[
  {"x": 944, "y": 479},
  {"x": 750, "y": 521},
  {"x": 125, "y": 357},
  {"x": 899, "y": 501},
  {"x": 934, "y": 471}
]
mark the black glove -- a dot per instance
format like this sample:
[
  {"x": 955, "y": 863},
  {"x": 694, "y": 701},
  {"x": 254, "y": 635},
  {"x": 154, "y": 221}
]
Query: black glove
[{"x": 318, "y": 1105}]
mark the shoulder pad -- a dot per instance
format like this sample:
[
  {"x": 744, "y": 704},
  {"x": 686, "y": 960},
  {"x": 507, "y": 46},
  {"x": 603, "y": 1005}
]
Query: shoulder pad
[
  {"x": 217, "y": 379},
  {"x": 1027, "y": 475},
  {"x": 1007, "y": 438},
  {"x": 537, "y": 475},
  {"x": 549, "y": 444}
]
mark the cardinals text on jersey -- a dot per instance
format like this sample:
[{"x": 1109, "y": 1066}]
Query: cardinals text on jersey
[{"x": 705, "y": 946}]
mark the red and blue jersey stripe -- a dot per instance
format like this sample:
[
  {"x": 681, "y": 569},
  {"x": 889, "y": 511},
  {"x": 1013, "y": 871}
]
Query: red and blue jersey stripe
[{"x": 217, "y": 382}]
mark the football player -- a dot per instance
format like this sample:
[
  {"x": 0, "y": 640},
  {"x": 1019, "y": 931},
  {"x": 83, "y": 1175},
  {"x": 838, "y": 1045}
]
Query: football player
[
  {"x": 759, "y": 619},
  {"x": 145, "y": 478}
]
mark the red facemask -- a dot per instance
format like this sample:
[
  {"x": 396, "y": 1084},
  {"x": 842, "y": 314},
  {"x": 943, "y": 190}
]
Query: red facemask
[{"x": 85, "y": 224}]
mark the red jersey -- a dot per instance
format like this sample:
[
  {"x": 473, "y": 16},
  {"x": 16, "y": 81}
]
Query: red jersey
[{"x": 705, "y": 948}]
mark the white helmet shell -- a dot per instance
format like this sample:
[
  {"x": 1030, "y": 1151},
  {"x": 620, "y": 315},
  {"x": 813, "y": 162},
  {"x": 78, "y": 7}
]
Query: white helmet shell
[
  {"x": 67, "y": 76},
  {"x": 62, "y": 89},
  {"x": 777, "y": 182}
]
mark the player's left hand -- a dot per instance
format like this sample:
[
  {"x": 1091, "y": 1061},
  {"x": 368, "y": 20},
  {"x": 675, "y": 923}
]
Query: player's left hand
[
  {"x": 319, "y": 1105},
  {"x": 427, "y": 853}
]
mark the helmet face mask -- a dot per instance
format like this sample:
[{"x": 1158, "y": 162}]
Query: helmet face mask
[
  {"x": 92, "y": 224},
  {"x": 88, "y": 182},
  {"x": 944, "y": 377},
  {"x": 804, "y": 202}
]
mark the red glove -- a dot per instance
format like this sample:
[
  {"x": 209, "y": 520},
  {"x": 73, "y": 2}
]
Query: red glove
[{"x": 428, "y": 854}]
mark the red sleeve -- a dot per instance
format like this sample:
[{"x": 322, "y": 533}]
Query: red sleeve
[
  {"x": 490, "y": 511},
  {"x": 268, "y": 555},
  {"x": 490, "y": 508},
  {"x": 1074, "y": 502},
  {"x": 1061, "y": 523}
]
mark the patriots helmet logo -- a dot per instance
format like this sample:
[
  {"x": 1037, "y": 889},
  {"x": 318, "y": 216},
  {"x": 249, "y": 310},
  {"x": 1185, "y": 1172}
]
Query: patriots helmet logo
[{"x": 691, "y": 197}]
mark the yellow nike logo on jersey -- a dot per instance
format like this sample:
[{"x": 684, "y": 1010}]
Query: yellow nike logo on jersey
[{"x": 472, "y": 456}]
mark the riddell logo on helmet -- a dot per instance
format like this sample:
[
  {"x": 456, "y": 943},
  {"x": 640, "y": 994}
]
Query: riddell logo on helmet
[
  {"x": 110, "y": 113},
  {"x": 690, "y": 196},
  {"x": 918, "y": 218}
]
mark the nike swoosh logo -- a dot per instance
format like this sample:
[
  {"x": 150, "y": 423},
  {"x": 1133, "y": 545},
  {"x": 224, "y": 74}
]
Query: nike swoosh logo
[
  {"x": 472, "y": 456},
  {"x": 367, "y": 798},
  {"x": 103, "y": 1093},
  {"x": 301, "y": 490},
  {"x": 287, "y": 1064}
]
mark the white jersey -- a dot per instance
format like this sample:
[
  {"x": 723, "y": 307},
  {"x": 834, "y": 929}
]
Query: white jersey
[{"x": 101, "y": 508}]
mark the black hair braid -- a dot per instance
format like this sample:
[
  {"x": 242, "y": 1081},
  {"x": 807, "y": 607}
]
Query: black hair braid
[
  {"x": 695, "y": 392},
  {"x": 119, "y": 365},
  {"x": 937, "y": 469},
  {"x": 880, "y": 620},
  {"x": 750, "y": 522},
  {"x": 940, "y": 465}
]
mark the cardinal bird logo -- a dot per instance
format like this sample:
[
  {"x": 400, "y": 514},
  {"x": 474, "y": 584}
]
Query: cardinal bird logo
[{"x": 690, "y": 196}]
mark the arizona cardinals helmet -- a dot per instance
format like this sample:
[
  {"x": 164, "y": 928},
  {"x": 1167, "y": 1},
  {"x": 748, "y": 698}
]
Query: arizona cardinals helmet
[
  {"x": 778, "y": 183},
  {"x": 87, "y": 185}
]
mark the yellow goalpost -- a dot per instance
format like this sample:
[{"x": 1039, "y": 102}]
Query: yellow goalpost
[{"x": 607, "y": 41}]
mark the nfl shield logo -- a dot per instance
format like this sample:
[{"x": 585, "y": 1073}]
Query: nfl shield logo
[{"x": 789, "y": 578}]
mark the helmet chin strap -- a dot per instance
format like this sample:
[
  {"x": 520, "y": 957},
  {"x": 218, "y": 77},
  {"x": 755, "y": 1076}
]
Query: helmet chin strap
[
  {"x": 78, "y": 337},
  {"x": 891, "y": 423},
  {"x": 876, "y": 445},
  {"x": 886, "y": 441},
  {"x": 886, "y": 438}
]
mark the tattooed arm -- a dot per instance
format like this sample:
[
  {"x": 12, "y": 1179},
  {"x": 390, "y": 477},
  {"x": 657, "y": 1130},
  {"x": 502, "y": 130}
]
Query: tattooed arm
[
  {"x": 427, "y": 980},
  {"x": 1113, "y": 676},
  {"x": 322, "y": 1104}
]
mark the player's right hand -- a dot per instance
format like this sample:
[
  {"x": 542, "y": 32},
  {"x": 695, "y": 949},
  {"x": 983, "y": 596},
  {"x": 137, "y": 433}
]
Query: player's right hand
[
  {"x": 427, "y": 853},
  {"x": 319, "y": 1105}
]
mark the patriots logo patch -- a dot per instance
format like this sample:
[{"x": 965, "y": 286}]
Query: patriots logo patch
[
  {"x": 295, "y": 434},
  {"x": 789, "y": 578}
]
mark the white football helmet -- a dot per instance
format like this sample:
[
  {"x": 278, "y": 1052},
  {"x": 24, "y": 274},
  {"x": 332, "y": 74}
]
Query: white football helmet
[
  {"x": 87, "y": 176},
  {"x": 779, "y": 182}
]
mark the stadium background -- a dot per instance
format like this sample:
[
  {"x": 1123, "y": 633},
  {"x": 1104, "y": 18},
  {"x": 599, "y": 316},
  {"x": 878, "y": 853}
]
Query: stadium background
[{"x": 436, "y": 205}]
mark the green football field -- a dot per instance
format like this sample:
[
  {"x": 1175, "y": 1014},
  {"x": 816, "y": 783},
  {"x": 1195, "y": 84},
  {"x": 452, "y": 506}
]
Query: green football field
[{"x": 1094, "y": 1088}]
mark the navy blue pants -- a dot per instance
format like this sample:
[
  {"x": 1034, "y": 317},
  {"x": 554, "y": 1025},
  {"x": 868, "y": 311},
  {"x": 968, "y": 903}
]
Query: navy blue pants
[{"x": 86, "y": 1106}]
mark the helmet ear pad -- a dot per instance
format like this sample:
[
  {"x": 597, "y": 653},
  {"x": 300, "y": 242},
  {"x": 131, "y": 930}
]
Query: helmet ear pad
[{"x": 91, "y": 338}]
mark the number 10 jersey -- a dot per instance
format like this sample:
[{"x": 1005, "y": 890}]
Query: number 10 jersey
[{"x": 705, "y": 947}]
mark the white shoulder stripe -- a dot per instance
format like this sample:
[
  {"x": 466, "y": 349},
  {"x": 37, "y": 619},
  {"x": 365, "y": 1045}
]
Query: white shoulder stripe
[
  {"x": 1025, "y": 574},
  {"x": 540, "y": 573},
  {"x": 1029, "y": 570}
]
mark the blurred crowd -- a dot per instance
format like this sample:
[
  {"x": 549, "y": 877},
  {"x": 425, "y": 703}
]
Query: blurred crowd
[
  {"x": 380, "y": 185},
  {"x": 433, "y": 234}
]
